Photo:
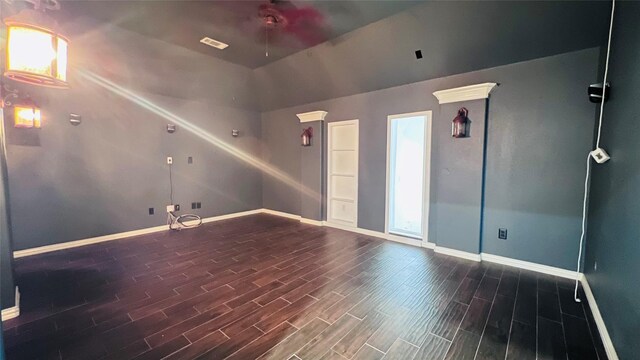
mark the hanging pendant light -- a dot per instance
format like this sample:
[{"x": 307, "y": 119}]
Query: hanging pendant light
[{"x": 36, "y": 53}]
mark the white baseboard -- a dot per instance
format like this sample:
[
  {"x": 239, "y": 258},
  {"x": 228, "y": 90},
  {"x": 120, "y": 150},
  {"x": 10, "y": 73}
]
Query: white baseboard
[
  {"x": 545, "y": 269},
  {"x": 378, "y": 234},
  {"x": 602, "y": 328},
  {"x": 355, "y": 230},
  {"x": 117, "y": 236},
  {"x": 280, "y": 213},
  {"x": 311, "y": 222},
  {"x": 457, "y": 253},
  {"x": 14, "y": 311}
]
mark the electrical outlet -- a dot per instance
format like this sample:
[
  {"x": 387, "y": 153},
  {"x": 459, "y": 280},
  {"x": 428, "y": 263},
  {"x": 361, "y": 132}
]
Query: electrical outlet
[
  {"x": 169, "y": 160},
  {"x": 151, "y": 211},
  {"x": 193, "y": 205},
  {"x": 198, "y": 205},
  {"x": 502, "y": 234},
  {"x": 177, "y": 207},
  {"x": 190, "y": 160}
]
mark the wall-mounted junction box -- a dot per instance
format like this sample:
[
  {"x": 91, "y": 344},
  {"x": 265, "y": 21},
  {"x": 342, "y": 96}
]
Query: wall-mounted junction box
[
  {"x": 169, "y": 160},
  {"x": 171, "y": 208}
]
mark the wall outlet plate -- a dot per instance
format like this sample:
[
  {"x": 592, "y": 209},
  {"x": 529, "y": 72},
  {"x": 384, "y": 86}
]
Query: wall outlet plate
[
  {"x": 502, "y": 234},
  {"x": 169, "y": 160}
]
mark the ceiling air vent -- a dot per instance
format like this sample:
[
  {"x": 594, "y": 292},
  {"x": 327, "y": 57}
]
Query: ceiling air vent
[{"x": 215, "y": 43}]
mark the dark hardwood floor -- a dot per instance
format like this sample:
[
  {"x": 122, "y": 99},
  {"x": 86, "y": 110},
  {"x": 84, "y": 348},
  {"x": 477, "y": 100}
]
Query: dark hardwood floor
[{"x": 272, "y": 288}]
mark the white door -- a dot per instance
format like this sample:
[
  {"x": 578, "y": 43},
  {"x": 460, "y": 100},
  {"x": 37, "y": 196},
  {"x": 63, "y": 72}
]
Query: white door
[
  {"x": 408, "y": 153},
  {"x": 342, "y": 173}
]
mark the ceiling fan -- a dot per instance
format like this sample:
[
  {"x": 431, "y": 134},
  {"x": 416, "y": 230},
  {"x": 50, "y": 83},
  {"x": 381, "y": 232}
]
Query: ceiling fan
[{"x": 286, "y": 24}]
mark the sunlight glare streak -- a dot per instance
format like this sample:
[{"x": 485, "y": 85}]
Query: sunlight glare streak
[{"x": 198, "y": 131}]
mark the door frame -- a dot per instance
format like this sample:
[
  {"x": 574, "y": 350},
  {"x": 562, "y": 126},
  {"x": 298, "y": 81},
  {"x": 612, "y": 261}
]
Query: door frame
[
  {"x": 330, "y": 126},
  {"x": 426, "y": 185}
]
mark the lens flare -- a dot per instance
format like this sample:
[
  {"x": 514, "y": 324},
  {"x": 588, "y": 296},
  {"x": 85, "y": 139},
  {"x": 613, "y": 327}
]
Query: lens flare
[{"x": 197, "y": 131}]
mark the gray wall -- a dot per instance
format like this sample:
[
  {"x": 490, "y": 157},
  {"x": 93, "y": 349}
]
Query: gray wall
[
  {"x": 613, "y": 230},
  {"x": 455, "y": 37},
  {"x": 540, "y": 125},
  {"x": 457, "y": 177},
  {"x": 70, "y": 183},
  {"x": 7, "y": 298}
]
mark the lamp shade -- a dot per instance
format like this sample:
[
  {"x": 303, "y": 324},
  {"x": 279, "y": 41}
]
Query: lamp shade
[{"x": 36, "y": 54}]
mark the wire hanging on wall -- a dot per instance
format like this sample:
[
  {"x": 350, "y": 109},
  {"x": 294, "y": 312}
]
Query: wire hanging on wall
[
  {"x": 179, "y": 222},
  {"x": 596, "y": 154}
]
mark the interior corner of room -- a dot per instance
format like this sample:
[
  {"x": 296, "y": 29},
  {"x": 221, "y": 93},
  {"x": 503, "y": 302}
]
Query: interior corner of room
[{"x": 199, "y": 175}]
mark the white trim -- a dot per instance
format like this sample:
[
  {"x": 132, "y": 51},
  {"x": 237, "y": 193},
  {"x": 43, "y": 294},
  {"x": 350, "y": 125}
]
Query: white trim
[
  {"x": 310, "y": 221},
  {"x": 354, "y": 229},
  {"x": 465, "y": 93},
  {"x": 312, "y": 116},
  {"x": 381, "y": 235},
  {"x": 457, "y": 253},
  {"x": 355, "y": 122},
  {"x": 602, "y": 328},
  {"x": 117, "y": 236},
  {"x": 14, "y": 311},
  {"x": 545, "y": 269},
  {"x": 280, "y": 213},
  {"x": 426, "y": 184}
]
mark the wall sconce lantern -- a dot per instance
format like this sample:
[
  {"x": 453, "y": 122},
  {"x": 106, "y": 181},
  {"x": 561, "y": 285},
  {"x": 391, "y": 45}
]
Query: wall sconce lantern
[
  {"x": 26, "y": 114},
  {"x": 36, "y": 53},
  {"x": 306, "y": 136},
  {"x": 460, "y": 124}
]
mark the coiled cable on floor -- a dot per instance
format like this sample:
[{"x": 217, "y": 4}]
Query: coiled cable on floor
[{"x": 185, "y": 221}]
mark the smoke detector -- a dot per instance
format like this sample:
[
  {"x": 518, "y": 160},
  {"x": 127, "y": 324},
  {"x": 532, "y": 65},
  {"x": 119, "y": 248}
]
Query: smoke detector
[{"x": 214, "y": 43}]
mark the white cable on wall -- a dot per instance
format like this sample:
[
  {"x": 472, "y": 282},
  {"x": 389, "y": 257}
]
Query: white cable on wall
[
  {"x": 180, "y": 222},
  {"x": 588, "y": 176}
]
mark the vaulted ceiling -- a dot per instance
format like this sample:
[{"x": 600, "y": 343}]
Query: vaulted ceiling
[{"x": 236, "y": 23}]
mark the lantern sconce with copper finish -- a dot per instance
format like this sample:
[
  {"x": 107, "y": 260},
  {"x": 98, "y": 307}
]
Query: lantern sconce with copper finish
[
  {"x": 26, "y": 113},
  {"x": 36, "y": 52},
  {"x": 307, "y": 135},
  {"x": 460, "y": 124}
]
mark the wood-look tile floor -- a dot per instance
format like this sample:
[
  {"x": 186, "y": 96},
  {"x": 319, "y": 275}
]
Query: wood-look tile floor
[{"x": 272, "y": 288}]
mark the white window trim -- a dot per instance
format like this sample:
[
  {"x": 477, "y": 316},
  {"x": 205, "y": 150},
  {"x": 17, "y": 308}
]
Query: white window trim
[{"x": 426, "y": 189}]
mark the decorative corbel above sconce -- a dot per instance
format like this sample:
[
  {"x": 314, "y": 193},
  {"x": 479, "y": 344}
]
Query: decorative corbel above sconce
[
  {"x": 464, "y": 93},
  {"x": 312, "y": 116}
]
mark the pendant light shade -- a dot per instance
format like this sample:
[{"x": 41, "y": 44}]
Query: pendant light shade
[{"x": 36, "y": 53}]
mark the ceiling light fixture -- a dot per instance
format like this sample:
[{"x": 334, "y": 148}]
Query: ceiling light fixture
[{"x": 36, "y": 52}]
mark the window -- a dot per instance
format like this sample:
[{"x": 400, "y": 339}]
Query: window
[{"x": 406, "y": 174}]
